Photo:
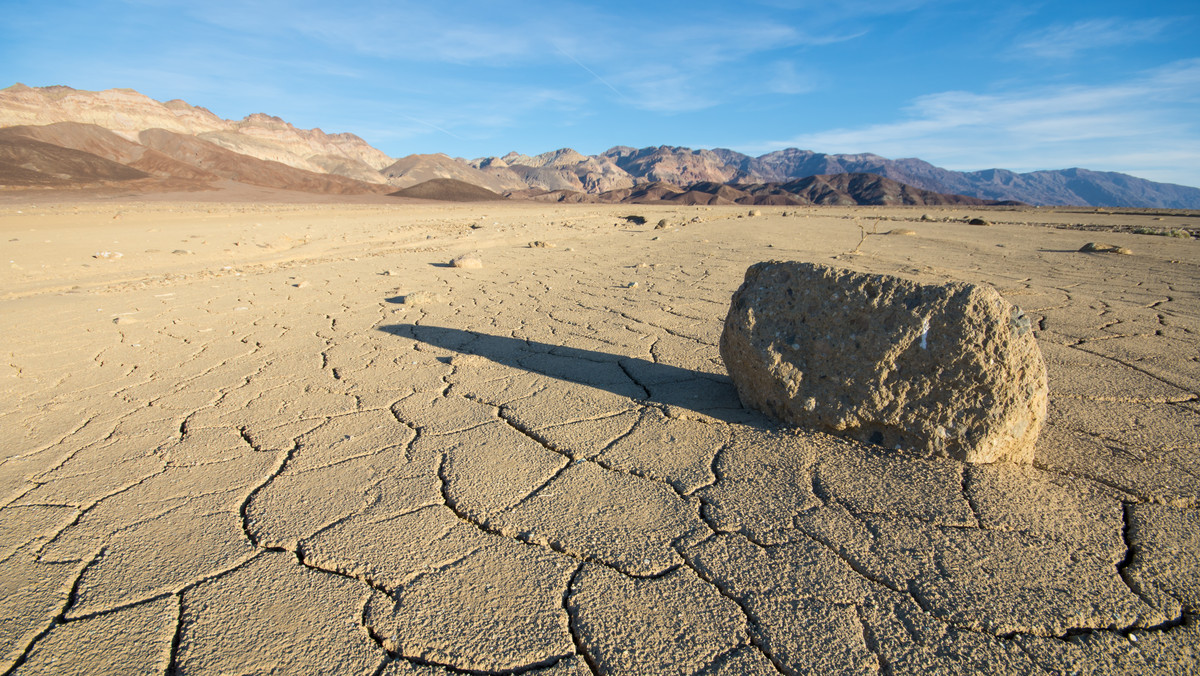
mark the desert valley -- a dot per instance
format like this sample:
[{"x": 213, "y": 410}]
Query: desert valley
[{"x": 255, "y": 420}]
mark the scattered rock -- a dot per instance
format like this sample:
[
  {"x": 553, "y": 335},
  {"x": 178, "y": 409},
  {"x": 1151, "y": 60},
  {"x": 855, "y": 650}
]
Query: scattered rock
[
  {"x": 755, "y": 212},
  {"x": 925, "y": 217},
  {"x": 538, "y": 244},
  {"x": 977, "y": 221},
  {"x": 470, "y": 261},
  {"x": 636, "y": 220},
  {"x": 901, "y": 231},
  {"x": 1099, "y": 247},
  {"x": 662, "y": 224},
  {"x": 950, "y": 370}
]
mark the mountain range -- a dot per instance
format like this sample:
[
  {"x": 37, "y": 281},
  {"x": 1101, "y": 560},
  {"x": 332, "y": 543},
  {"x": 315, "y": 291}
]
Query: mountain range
[{"x": 61, "y": 137}]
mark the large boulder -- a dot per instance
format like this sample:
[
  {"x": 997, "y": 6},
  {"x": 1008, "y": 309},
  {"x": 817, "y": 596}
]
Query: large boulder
[{"x": 940, "y": 370}]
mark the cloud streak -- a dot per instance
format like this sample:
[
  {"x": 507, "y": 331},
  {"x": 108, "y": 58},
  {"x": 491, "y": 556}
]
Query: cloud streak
[
  {"x": 1066, "y": 41},
  {"x": 1147, "y": 120}
]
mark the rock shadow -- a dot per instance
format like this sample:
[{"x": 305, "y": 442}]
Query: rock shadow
[{"x": 706, "y": 393}]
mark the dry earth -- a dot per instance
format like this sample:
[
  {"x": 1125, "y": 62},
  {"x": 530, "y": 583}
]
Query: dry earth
[{"x": 292, "y": 439}]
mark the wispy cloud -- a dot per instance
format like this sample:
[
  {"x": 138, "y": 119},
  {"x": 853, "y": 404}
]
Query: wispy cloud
[
  {"x": 1066, "y": 40},
  {"x": 662, "y": 62},
  {"x": 1146, "y": 123}
]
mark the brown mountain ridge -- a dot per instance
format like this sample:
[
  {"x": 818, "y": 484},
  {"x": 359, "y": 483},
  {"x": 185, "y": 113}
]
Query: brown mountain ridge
[{"x": 178, "y": 144}]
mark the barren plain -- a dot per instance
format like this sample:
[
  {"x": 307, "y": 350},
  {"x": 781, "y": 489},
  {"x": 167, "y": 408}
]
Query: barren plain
[{"x": 290, "y": 438}]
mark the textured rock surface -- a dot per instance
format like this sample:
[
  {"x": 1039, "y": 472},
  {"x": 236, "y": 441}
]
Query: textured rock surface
[{"x": 948, "y": 370}]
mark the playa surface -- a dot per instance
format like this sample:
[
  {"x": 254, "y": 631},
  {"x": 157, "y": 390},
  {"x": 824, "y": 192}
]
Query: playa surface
[{"x": 291, "y": 438}]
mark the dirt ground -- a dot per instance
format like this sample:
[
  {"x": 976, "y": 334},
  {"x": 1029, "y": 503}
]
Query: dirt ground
[{"x": 246, "y": 438}]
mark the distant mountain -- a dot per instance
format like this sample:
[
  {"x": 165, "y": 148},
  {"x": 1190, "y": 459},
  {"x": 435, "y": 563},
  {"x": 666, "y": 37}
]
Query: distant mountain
[
  {"x": 150, "y": 138},
  {"x": 447, "y": 190},
  {"x": 684, "y": 166},
  {"x": 415, "y": 169},
  {"x": 69, "y": 154},
  {"x": 128, "y": 113},
  {"x": 836, "y": 190},
  {"x": 27, "y": 162}
]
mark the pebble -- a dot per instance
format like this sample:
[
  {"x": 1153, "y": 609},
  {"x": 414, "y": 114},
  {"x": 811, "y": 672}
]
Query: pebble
[
  {"x": 1100, "y": 247},
  {"x": 468, "y": 262}
]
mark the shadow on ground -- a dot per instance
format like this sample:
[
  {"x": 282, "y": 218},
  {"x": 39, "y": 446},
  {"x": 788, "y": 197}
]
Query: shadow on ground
[{"x": 708, "y": 393}]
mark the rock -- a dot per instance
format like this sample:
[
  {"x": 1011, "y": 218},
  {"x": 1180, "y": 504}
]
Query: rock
[
  {"x": 636, "y": 220},
  {"x": 538, "y": 244},
  {"x": 901, "y": 231},
  {"x": 662, "y": 224},
  {"x": 470, "y": 261},
  {"x": 755, "y": 212},
  {"x": 1098, "y": 247},
  {"x": 977, "y": 221},
  {"x": 420, "y": 298},
  {"x": 949, "y": 370}
]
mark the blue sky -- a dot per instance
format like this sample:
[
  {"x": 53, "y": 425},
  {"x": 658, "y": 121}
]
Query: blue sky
[{"x": 961, "y": 83}]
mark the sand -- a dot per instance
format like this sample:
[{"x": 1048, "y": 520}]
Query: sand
[{"x": 291, "y": 438}]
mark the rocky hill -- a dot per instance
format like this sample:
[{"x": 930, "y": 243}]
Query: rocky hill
[
  {"x": 73, "y": 155},
  {"x": 835, "y": 190},
  {"x": 684, "y": 166},
  {"x": 128, "y": 113},
  {"x": 148, "y": 137}
]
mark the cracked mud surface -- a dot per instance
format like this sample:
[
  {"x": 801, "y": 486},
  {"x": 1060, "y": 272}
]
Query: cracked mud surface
[{"x": 259, "y": 458}]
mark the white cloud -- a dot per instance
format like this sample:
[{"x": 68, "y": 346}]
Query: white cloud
[
  {"x": 1145, "y": 126},
  {"x": 1067, "y": 40},
  {"x": 786, "y": 79}
]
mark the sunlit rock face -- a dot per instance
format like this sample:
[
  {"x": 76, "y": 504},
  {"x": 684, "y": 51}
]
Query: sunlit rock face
[{"x": 950, "y": 370}]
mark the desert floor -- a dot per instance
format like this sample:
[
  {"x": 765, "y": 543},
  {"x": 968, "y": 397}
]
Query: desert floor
[{"x": 290, "y": 438}]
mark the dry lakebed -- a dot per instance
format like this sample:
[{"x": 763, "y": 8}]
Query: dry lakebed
[{"x": 293, "y": 438}]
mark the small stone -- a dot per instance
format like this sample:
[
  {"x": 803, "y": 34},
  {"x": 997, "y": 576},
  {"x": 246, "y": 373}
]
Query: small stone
[
  {"x": 1099, "y": 247},
  {"x": 662, "y": 224},
  {"x": 977, "y": 221},
  {"x": 182, "y": 252},
  {"x": 300, "y": 285},
  {"x": 755, "y": 212},
  {"x": 420, "y": 298},
  {"x": 470, "y": 261},
  {"x": 631, "y": 285},
  {"x": 538, "y": 244},
  {"x": 942, "y": 370},
  {"x": 124, "y": 320}
]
